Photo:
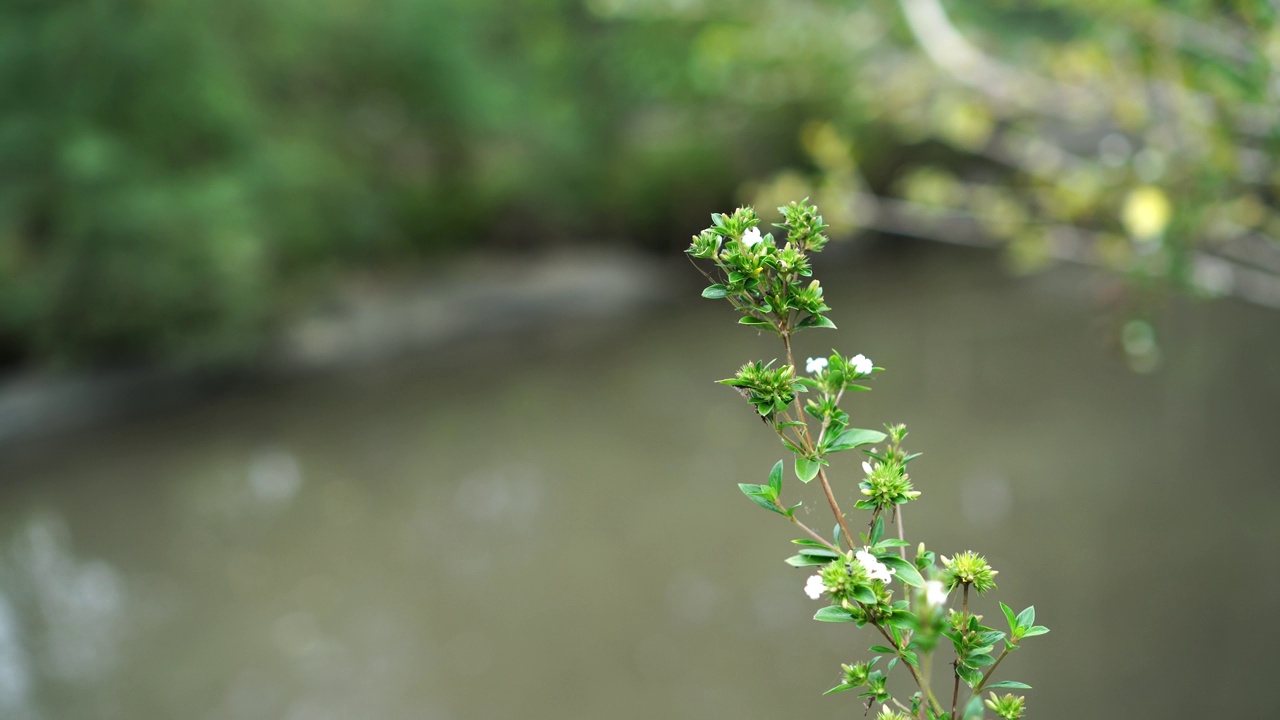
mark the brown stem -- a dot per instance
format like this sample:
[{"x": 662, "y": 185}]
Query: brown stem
[
  {"x": 920, "y": 682},
  {"x": 811, "y": 533},
  {"x": 835, "y": 508},
  {"x": 955, "y": 691}
]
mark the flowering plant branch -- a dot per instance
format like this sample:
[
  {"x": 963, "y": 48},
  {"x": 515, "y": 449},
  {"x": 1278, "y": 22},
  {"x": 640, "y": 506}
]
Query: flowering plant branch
[{"x": 769, "y": 285}]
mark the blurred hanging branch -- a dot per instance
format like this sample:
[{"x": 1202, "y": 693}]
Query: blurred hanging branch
[{"x": 1132, "y": 136}]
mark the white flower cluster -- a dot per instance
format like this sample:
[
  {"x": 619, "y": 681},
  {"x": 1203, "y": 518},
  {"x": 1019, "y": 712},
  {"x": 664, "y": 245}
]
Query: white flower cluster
[
  {"x": 876, "y": 570},
  {"x": 814, "y": 587},
  {"x": 935, "y": 593},
  {"x": 751, "y": 237},
  {"x": 862, "y": 364}
]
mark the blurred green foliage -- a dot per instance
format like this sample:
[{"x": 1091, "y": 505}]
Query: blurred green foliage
[
  {"x": 173, "y": 172},
  {"x": 176, "y": 173}
]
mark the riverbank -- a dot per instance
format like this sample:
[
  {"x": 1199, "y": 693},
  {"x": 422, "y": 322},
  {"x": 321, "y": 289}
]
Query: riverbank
[{"x": 360, "y": 323}]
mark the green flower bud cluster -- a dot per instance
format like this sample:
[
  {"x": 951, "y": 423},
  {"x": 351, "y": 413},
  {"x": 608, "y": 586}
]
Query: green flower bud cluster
[
  {"x": 887, "y": 483},
  {"x": 768, "y": 388},
  {"x": 968, "y": 568},
  {"x": 804, "y": 226},
  {"x": 847, "y": 580},
  {"x": 761, "y": 279},
  {"x": 1008, "y": 707},
  {"x": 857, "y": 674}
]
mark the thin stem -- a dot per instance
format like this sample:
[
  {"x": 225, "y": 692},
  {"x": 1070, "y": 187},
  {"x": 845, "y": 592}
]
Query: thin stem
[
  {"x": 915, "y": 674},
  {"x": 991, "y": 670},
  {"x": 927, "y": 672},
  {"x": 795, "y": 429},
  {"x": 785, "y": 334},
  {"x": 811, "y": 533},
  {"x": 902, "y": 533},
  {"x": 955, "y": 690},
  {"x": 835, "y": 508},
  {"x": 826, "y": 423},
  {"x": 964, "y": 625}
]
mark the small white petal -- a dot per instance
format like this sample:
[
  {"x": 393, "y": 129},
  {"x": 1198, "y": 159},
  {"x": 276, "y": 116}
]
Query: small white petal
[
  {"x": 815, "y": 365},
  {"x": 935, "y": 593},
  {"x": 861, "y": 364},
  {"x": 814, "y": 587},
  {"x": 866, "y": 467},
  {"x": 876, "y": 570},
  {"x": 751, "y": 237}
]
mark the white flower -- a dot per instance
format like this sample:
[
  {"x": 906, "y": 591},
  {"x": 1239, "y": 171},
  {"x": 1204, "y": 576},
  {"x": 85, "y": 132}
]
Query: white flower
[
  {"x": 935, "y": 593},
  {"x": 861, "y": 364},
  {"x": 866, "y": 468},
  {"x": 814, "y": 587},
  {"x": 751, "y": 237},
  {"x": 876, "y": 570},
  {"x": 815, "y": 365}
]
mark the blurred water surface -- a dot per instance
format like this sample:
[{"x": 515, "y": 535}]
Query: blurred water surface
[{"x": 547, "y": 526}]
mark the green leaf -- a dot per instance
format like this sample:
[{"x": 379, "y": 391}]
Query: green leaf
[
  {"x": 990, "y": 637},
  {"x": 1010, "y": 684},
  {"x": 883, "y": 649},
  {"x": 970, "y": 676},
  {"x": 854, "y": 437},
  {"x": 715, "y": 292},
  {"x": 1008, "y": 614},
  {"x": 840, "y": 688},
  {"x": 775, "y": 479},
  {"x": 904, "y": 621},
  {"x": 833, "y": 613},
  {"x": 977, "y": 660},
  {"x": 973, "y": 709},
  {"x": 805, "y": 561},
  {"x": 877, "y": 531},
  {"x": 891, "y": 543},
  {"x": 816, "y": 321},
  {"x": 1027, "y": 617},
  {"x": 807, "y": 468},
  {"x": 819, "y": 552},
  {"x": 759, "y": 495},
  {"x": 863, "y": 594},
  {"x": 910, "y": 657},
  {"x": 1034, "y": 631},
  {"x": 754, "y": 322},
  {"x": 807, "y": 542},
  {"x": 905, "y": 571}
]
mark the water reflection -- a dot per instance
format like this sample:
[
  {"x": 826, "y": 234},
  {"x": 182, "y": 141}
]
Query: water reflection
[
  {"x": 61, "y": 618},
  {"x": 424, "y": 541}
]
